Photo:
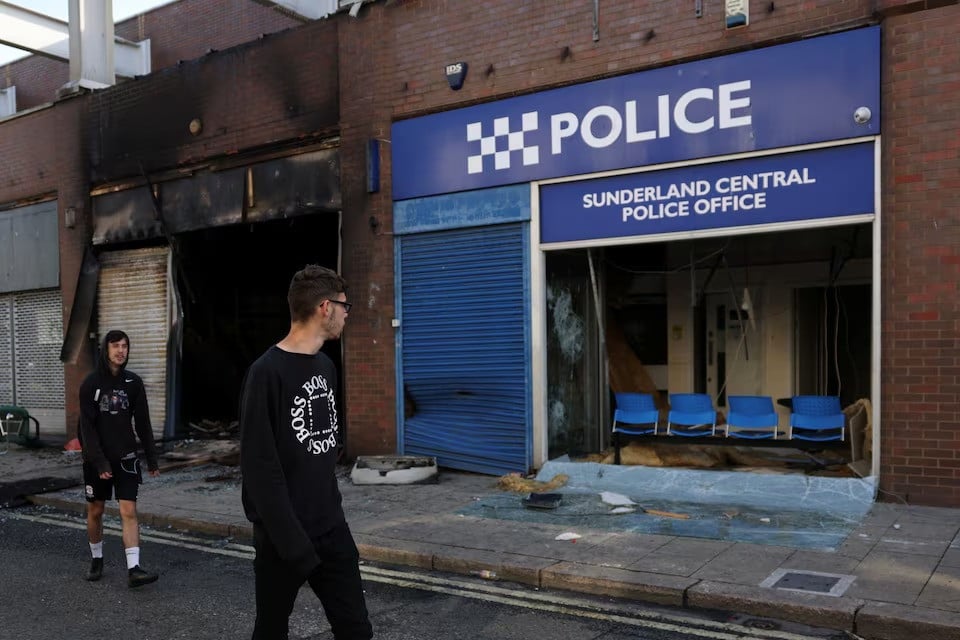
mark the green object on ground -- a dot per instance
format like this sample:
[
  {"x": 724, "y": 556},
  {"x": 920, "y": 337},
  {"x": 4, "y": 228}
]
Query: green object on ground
[{"x": 16, "y": 422}]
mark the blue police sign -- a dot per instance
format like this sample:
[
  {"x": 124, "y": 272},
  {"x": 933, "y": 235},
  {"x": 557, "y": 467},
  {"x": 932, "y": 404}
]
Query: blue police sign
[
  {"x": 792, "y": 94},
  {"x": 820, "y": 183}
]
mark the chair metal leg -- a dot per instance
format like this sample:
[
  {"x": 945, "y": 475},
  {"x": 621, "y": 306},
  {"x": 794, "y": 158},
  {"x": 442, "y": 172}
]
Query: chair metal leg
[{"x": 616, "y": 447}]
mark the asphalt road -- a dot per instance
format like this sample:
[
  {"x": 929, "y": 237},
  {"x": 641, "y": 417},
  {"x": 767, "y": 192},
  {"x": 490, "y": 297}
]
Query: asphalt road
[{"x": 206, "y": 591}]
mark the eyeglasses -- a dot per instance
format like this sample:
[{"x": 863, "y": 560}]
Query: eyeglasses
[{"x": 346, "y": 305}]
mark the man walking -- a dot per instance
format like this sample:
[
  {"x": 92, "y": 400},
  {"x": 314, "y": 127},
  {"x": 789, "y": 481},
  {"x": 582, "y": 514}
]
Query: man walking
[
  {"x": 289, "y": 436},
  {"x": 113, "y": 412}
]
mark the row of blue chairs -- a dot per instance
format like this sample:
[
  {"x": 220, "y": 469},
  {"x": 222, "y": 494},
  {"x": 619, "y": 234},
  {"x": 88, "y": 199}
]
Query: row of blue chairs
[{"x": 814, "y": 418}]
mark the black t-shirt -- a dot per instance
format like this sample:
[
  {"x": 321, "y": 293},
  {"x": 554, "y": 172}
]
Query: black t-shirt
[{"x": 289, "y": 437}]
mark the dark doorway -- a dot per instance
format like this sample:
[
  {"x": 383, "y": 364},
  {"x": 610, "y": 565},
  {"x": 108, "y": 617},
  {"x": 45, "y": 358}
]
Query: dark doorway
[{"x": 235, "y": 305}]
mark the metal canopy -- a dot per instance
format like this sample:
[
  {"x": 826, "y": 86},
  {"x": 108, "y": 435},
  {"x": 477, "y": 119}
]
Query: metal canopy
[{"x": 305, "y": 10}]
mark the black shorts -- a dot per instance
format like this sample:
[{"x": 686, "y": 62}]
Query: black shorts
[{"x": 126, "y": 480}]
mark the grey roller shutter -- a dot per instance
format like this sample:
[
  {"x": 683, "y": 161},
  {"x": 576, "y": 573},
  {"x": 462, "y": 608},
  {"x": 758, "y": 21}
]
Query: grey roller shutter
[
  {"x": 38, "y": 335},
  {"x": 464, "y": 348},
  {"x": 132, "y": 297}
]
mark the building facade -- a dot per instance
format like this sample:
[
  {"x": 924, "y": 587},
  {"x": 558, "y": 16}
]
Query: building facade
[{"x": 488, "y": 314}]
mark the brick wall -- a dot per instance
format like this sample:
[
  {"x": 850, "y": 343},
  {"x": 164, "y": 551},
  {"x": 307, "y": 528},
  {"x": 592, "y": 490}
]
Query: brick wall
[
  {"x": 276, "y": 90},
  {"x": 920, "y": 447},
  {"x": 43, "y": 156},
  {"x": 517, "y": 47},
  {"x": 367, "y": 80}
]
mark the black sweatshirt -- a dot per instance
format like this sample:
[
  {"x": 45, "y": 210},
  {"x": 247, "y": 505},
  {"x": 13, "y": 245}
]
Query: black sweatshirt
[
  {"x": 289, "y": 435},
  {"x": 111, "y": 407}
]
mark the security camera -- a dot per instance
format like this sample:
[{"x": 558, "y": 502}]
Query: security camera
[{"x": 862, "y": 115}]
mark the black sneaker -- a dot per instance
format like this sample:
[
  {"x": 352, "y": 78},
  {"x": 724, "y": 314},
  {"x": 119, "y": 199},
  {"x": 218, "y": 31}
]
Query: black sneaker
[
  {"x": 137, "y": 577},
  {"x": 96, "y": 570}
]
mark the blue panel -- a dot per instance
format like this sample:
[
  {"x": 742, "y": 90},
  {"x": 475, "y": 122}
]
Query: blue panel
[
  {"x": 470, "y": 209},
  {"x": 464, "y": 350},
  {"x": 821, "y": 183},
  {"x": 792, "y": 94}
]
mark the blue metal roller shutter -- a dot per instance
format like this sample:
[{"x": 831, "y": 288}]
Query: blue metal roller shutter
[{"x": 464, "y": 347}]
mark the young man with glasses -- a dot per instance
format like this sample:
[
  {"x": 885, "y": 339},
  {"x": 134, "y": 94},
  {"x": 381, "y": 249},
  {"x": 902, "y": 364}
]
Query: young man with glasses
[{"x": 289, "y": 437}]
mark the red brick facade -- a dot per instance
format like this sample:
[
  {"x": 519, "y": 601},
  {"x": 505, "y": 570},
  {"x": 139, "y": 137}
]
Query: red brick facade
[
  {"x": 387, "y": 64},
  {"x": 920, "y": 439}
]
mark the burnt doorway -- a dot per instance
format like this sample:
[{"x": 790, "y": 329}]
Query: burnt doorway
[{"x": 234, "y": 301}]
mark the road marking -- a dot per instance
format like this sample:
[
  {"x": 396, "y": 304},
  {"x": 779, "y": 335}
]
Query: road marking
[{"x": 538, "y": 601}]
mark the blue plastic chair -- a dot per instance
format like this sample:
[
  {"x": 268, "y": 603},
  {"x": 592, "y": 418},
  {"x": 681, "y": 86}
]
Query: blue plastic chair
[
  {"x": 817, "y": 418},
  {"x": 752, "y": 417},
  {"x": 633, "y": 410},
  {"x": 691, "y": 410}
]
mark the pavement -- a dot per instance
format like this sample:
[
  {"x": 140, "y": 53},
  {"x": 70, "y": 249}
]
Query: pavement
[{"x": 895, "y": 576}]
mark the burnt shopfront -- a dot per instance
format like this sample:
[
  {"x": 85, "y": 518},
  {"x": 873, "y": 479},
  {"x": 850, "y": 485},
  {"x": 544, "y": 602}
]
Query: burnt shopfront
[
  {"x": 710, "y": 227},
  {"x": 196, "y": 270}
]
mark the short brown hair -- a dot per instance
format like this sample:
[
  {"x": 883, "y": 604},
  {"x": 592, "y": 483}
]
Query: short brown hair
[{"x": 309, "y": 287}]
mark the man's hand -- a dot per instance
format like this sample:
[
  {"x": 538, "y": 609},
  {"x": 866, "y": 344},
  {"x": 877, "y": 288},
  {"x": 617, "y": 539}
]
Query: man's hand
[
  {"x": 154, "y": 473},
  {"x": 106, "y": 475}
]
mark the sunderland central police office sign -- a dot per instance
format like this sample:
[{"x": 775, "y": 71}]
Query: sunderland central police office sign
[
  {"x": 830, "y": 182},
  {"x": 793, "y": 94}
]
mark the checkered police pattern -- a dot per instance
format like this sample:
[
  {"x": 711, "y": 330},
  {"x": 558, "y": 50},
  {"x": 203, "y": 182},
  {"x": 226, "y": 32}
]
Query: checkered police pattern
[{"x": 502, "y": 136}]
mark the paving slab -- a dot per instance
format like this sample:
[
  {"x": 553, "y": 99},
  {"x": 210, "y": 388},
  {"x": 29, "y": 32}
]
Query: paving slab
[
  {"x": 681, "y": 556},
  {"x": 806, "y": 608},
  {"x": 951, "y": 558},
  {"x": 619, "y": 550},
  {"x": 744, "y": 563},
  {"x": 498, "y": 566},
  {"x": 400, "y": 552},
  {"x": 886, "y": 621},
  {"x": 903, "y": 543},
  {"x": 942, "y": 591},
  {"x": 618, "y": 583},
  {"x": 892, "y": 577},
  {"x": 823, "y": 561}
]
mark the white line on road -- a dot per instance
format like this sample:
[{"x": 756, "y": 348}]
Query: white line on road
[{"x": 622, "y": 614}]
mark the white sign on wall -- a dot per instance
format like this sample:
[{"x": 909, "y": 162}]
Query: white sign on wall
[{"x": 737, "y": 13}]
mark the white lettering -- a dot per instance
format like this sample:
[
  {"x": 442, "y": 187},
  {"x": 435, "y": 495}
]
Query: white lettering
[
  {"x": 632, "y": 134},
  {"x": 729, "y": 107},
  {"x": 727, "y": 103},
  {"x": 562, "y": 125},
  {"x": 586, "y": 127},
  {"x": 680, "y": 111}
]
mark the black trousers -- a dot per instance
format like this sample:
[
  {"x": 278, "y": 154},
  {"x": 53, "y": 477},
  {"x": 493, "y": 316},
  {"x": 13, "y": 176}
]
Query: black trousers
[{"x": 336, "y": 583}]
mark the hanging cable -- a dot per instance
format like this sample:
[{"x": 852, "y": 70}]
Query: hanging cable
[
  {"x": 836, "y": 339},
  {"x": 824, "y": 341}
]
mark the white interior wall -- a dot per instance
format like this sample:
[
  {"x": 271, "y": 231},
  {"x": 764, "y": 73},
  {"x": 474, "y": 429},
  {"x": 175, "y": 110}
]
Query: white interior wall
[{"x": 772, "y": 290}]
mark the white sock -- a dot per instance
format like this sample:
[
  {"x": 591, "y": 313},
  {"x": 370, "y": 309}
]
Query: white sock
[
  {"x": 133, "y": 557},
  {"x": 96, "y": 549}
]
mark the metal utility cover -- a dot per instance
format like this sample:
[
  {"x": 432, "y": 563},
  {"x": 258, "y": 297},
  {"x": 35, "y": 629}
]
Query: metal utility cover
[{"x": 829, "y": 584}]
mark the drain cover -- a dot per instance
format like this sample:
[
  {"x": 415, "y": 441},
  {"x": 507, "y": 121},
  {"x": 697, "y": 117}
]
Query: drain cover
[{"x": 828, "y": 584}]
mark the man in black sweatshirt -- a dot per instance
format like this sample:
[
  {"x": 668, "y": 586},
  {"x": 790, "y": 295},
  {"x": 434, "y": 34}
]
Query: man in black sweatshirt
[
  {"x": 289, "y": 437},
  {"x": 113, "y": 404}
]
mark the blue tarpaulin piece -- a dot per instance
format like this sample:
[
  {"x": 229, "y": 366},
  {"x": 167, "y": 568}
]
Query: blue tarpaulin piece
[{"x": 792, "y": 510}]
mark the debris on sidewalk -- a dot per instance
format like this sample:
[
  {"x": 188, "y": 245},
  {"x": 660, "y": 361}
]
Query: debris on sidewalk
[
  {"x": 667, "y": 514},
  {"x": 518, "y": 484},
  {"x": 195, "y": 452},
  {"x": 394, "y": 470},
  {"x": 621, "y": 504},
  {"x": 616, "y": 499},
  {"x": 569, "y": 535},
  {"x": 215, "y": 428},
  {"x": 543, "y": 500}
]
